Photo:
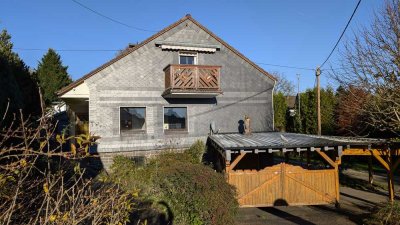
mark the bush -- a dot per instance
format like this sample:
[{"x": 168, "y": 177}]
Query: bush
[
  {"x": 188, "y": 191},
  {"x": 385, "y": 214},
  {"x": 42, "y": 183},
  {"x": 196, "y": 151}
]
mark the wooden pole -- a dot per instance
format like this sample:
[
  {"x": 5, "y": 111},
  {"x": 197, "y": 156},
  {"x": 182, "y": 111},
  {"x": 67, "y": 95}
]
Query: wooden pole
[
  {"x": 335, "y": 165},
  {"x": 227, "y": 170},
  {"x": 370, "y": 172},
  {"x": 298, "y": 93},
  {"x": 337, "y": 184},
  {"x": 318, "y": 73},
  {"x": 390, "y": 178}
]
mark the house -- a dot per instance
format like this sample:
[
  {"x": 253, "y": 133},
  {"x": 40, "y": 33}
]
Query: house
[{"x": 167, "y": 91}]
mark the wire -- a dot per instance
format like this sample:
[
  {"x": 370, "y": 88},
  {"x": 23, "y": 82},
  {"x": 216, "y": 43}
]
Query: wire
[
  {"x": 111, "y": 19},
  {"x": 348, "y": 22},
  {"x": 284, "y": 66},
  {"x": 116, "y": 50},
  {"x": 69, "y": 50}
]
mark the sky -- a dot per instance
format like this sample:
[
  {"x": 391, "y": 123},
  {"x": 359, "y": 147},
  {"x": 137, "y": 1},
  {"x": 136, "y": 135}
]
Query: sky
[{"x": 288, "y": 32}]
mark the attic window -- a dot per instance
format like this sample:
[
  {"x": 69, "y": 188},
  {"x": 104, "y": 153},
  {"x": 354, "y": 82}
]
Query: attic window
[{"x": 188, "y": 58}]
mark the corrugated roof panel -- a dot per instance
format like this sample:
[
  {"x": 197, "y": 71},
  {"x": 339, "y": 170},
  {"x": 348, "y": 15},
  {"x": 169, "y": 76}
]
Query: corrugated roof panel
[{"x": 287, "y": 140}]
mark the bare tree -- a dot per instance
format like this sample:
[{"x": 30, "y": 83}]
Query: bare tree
[
  {"x": 283, "y": 85},
  {"x": 371, "y": 64}
]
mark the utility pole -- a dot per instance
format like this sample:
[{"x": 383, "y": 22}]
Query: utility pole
[
  {"x": 318, "y": 73},
  {"x": 298, "y": 92}
]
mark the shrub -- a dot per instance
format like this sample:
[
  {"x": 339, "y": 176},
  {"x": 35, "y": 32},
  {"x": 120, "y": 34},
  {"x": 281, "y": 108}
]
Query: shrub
[
  {"x": 187, "y": 190},
  {"x": 196, "y": 151},
  {"x": 385, "y": 214},
  {"x": 195, "y": 193},
  {"x": 42, "y": 183}
]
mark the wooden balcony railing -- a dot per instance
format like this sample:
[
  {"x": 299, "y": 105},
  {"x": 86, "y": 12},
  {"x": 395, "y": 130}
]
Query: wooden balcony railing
[{"x": 192, "y": 77}]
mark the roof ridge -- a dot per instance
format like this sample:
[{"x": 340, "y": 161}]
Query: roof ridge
[{"x": 151, "y": 38}]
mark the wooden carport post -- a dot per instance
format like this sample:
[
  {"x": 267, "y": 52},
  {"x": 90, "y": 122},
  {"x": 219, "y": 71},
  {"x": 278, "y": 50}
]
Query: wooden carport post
[
  {"x": 387, "y": 164},
  {"x": 370, "y": 173},
  {"x": 392, "y": 167},
  {"x": 335, "y": 165},
  {"x": 230, "y": 166}
]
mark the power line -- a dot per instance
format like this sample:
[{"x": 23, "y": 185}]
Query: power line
[
  {"x": 116, "y": 50},
  {"x": 69, "y": 50},
  {"x": 284, "y": 66},
  {"x": 111, "y": 19},
  {"x": 348, "y": 22}
]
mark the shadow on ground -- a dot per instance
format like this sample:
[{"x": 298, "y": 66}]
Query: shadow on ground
[
  {"x": 280, "y": 212},
  {"x": 360, "y": 184}
]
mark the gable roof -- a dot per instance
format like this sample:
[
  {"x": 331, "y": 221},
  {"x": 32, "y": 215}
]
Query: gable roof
[{"x": 130, "y": 50}]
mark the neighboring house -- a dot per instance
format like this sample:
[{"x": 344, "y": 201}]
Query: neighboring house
[
  {"x": 166, "y": 91},
  {"x": 291, "y": 101},
  {"x": 291, "y": 104}
]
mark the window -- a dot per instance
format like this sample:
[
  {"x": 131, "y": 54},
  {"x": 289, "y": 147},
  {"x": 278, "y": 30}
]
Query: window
[
  {"x": 132, "y": 119},
  {"x": 175, "y": 118},
  {"x": 187, "y": 58}
]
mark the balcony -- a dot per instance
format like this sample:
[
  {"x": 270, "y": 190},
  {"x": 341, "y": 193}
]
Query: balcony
[{"x": 192, "y": 81}]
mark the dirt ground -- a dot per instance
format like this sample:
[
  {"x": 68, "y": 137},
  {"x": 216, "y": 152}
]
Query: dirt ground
[{"x": 355, "y": 201}]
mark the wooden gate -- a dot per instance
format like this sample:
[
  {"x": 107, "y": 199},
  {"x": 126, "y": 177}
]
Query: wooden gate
[{"x": 284, "y": 184}]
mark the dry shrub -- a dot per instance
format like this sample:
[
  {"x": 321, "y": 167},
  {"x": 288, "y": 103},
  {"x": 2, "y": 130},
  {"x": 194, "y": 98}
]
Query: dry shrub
[
  {"x": 41, "y": 181},
  {"x": 385, "y": 214}
]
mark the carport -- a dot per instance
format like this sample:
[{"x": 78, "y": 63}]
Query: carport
[{"x": 258, "y": 166}]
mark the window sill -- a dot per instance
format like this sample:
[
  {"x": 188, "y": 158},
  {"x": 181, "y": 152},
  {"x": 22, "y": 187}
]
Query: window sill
[
  {"x": 128, "y": 133},
  {"x": 176, "y": 132}
]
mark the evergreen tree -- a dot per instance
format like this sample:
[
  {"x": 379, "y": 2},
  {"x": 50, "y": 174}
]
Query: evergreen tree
[
  {"x": 307, "y": 123},
  {"x": 17, "y": 83},
  {"x": 52, "y": 75},
  {"x": 280, "y": 108},
  {"x": 328, "y": 106}
]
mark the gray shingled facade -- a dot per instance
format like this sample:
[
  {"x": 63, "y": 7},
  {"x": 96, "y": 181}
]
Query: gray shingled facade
[{"x": 138, "y": 80}]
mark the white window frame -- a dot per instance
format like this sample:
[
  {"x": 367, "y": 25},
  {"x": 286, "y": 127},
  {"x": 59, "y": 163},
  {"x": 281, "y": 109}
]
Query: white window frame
[
  {"x": 187, "y": 120},
  {"x": 186, "y": 53},
  {"x": 133, "y": 131}
]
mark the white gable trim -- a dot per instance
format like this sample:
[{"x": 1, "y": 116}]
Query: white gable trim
[{"x": 80, "y": 91}]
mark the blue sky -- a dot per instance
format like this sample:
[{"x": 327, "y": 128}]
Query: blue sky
[{"x": 291, "y": 32}]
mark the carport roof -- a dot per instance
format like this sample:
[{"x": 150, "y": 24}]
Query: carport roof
[{"x": 280, "y": 140}]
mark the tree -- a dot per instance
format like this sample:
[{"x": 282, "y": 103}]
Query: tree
[
  {"x": 280, "y": 109},
  {"x": 349, "y": 119},
  {"x": 328, "y": 106},
  {"x": 19, "y": 89},
  {"x": 370, "y": 64},
  {"x": 307, "y": 122},
  {"x": 308, "y": 109},
  {"x": 283, "y": 85},
  {"x": 52, "y": 75}
]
